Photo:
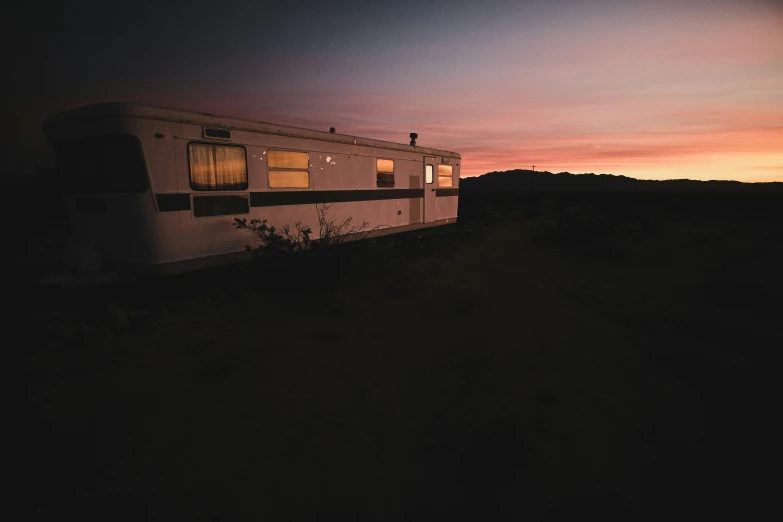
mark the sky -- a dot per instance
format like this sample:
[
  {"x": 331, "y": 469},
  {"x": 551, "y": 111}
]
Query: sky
[{"x": 649, "y": 89}]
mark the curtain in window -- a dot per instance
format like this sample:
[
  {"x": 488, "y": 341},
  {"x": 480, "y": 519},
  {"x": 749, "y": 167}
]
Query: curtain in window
[
  {"x": 217, "y": 167},
  {"x": 202, "y": 167},
  {"x": 230, "y": 168}
]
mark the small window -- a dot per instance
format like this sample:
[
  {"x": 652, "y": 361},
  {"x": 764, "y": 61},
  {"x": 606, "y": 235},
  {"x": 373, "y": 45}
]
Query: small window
[
  {"x": 204, "y": 206},
  {"x": 217, "y": 167},
  {"x": 444, "y": 176},
  {"x": 385, "y": 172},
  {"x": 428, "y": 174},
  {"x": 288, "y": 169}
]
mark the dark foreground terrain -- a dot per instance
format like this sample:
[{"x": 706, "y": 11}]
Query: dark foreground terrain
[{"x": 550, "y": 357}]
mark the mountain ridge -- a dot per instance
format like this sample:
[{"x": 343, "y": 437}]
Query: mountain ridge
[{"x": 529, "y": 180}]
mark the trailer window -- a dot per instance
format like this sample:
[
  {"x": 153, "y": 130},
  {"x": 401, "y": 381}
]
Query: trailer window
[
  {"x": 385, "y": 172},
  {"x": 102, "y": 164},
  {"x": 288, "y": 169},
  {"x": 217, "y": 167},
  {"x": 428, "y": 174},
  {"x": 445, "y": 178}
]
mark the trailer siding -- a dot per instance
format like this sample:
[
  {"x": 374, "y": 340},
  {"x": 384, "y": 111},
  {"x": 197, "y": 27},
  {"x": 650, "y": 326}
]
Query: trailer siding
[{"x": 177, "y": 223}]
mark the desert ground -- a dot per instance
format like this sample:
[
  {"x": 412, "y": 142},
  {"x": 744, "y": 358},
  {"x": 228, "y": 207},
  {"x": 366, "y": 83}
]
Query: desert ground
[{"x": 550, "y": 356}]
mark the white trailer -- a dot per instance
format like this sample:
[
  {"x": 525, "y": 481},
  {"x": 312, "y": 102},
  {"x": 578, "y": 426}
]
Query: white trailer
[{"x": 156, "y": 188}]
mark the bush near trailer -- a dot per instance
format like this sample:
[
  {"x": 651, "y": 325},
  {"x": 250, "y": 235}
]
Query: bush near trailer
[
  {"x": 334, "y": 232},
  {"x": 320, "y": 258},
  {"x": 331, "y": 231},
  {"x": 271, "y": 240}
]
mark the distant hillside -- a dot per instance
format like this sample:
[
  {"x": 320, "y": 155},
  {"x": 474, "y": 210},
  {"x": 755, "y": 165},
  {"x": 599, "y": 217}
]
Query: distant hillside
[{"x": 528, "y": 180}]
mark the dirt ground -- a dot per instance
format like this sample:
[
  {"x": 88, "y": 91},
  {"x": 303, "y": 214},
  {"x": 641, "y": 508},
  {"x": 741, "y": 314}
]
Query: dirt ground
[{"x": 543, "y": 359}]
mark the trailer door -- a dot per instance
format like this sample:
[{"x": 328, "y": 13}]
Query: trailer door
[{"x": 429, "y": 189}]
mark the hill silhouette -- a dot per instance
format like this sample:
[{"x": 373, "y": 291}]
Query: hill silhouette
[{"x": 544, "y": 181}]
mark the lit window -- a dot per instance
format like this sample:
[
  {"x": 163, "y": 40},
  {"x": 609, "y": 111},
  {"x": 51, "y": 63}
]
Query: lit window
[
  {"x": 428, "y": 174},
  {"x": 217, "y": 167},
  {"x": 288, "y": 169},
  {"x": 385, "y": 172},
  {"x": 444, "y": 176}
]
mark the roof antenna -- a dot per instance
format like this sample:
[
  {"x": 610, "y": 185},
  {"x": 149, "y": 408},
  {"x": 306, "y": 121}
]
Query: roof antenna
[{"x": 413, "y": 139}]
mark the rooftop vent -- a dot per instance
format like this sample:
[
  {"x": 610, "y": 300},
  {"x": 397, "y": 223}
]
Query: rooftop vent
[
  {"x": 218, "y": 134},
  {"x": 331, "y": 129},
  {"x": 413, "y": 139}
]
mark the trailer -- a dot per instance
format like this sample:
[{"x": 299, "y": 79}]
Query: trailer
[{"x": 157, "y": 189}]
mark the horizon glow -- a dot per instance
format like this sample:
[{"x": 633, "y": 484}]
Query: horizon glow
[{"x": 664, "y": 90}]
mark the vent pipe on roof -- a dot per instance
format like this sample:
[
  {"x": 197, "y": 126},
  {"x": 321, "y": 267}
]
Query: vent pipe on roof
[
  {"x": 331, "y": 129},
  {"x": 413, "y": 139}
]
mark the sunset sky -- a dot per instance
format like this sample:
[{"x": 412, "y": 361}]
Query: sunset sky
[{"x": 649, "y": 89}]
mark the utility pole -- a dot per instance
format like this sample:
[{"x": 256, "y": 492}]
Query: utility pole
[{"x": 533, "y": 179}]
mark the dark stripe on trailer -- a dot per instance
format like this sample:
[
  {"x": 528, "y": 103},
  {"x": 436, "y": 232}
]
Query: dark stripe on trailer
[
  {"x": 172, "y": 202},
  {"x": 274, "y": 199},
  {"x": 445, "y": 192}
]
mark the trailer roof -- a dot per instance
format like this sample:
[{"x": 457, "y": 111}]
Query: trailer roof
[{"x": 133, "y": 110}]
